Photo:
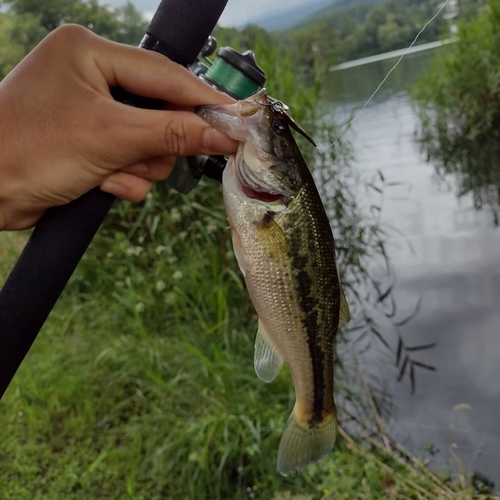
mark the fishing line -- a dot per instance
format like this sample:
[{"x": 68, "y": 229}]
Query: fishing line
[{"x": 358, "y": 114}]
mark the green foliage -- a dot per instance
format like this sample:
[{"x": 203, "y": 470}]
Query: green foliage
[
  {"x": 124, "y": 24},
  {"x": 244, "y": 39},
  {"x": 461, "y": 93},
  {"x": 130, "y": 25},
  {"x": 26, "y": 22},
  {"x": 458, "y": 102},
  {"x": 18, "y": 35},
  {"x": 469, "y": 9},
  {"x": 342, "y": 34}
]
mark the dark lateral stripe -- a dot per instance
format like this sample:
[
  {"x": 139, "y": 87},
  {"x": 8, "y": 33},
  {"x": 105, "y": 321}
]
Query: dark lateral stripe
[
  {"x": 308, "y": 304},
  {"x": 311, "y": 245}
]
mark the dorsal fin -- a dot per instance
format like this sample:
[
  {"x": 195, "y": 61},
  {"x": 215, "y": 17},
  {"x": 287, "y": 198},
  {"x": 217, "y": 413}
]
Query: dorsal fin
[{"x": 345, "y": 314}]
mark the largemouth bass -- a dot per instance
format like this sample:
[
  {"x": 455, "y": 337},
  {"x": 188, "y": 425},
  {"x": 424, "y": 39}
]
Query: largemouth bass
[{"x": 285, "y": 249}]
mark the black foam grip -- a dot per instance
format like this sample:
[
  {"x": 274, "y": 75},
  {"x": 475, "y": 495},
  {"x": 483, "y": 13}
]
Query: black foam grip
[
  {"x": 41, "y": 273},
  {"x": 200, "y": 16},
  {"x": 63, "y": 234}
]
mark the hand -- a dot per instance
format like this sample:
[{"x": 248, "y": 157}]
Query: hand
[{"x": 62, "y": 134}]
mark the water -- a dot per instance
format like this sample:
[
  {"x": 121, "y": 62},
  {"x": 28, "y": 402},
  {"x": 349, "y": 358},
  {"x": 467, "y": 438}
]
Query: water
[{"x": 444, "y": 252}]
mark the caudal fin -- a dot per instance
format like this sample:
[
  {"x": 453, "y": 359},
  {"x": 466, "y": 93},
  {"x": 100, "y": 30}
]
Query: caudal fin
[{"x": 303, "y": 443}]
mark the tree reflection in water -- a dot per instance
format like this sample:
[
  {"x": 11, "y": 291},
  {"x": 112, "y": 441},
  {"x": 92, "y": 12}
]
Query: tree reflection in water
[{"x": 473, "y": 162}]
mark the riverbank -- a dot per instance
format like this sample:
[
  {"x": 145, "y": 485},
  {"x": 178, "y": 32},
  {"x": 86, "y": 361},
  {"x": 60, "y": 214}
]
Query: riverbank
[{"x": 99, "y": 412}]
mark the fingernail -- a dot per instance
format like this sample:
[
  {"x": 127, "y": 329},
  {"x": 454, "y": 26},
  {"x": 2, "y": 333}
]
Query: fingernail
[
  {"x": 218, "y": 142},
  {"x": 137, "y": 168},
  {"x": 113, "y": 188}
]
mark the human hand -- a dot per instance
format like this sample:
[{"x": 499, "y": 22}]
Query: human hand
[{"x": 62, "y": 134}]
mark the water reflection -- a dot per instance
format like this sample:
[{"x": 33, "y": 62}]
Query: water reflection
[
  {"x": 474, "y": 162},
  {"x": 445, "y": 253}
]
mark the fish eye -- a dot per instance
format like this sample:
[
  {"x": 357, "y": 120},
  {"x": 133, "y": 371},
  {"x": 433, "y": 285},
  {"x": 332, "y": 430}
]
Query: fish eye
[{"x": 278, "y": 126}]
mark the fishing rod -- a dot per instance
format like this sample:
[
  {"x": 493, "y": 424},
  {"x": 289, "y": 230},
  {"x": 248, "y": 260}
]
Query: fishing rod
[{"x": 179, "y": 30}]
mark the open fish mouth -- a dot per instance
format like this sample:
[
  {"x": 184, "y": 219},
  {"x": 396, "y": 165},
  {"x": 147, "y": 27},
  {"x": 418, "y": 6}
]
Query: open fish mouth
[
  {"x": 253, "y": 186},
  {"x": 263, "y": 196}
]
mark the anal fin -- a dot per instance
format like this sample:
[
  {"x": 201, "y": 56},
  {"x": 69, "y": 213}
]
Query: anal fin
[{"x": 267, "y": 361}]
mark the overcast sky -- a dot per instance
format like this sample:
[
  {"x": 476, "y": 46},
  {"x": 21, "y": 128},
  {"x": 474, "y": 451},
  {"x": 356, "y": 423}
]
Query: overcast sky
[{"x": 237, "y": 11}]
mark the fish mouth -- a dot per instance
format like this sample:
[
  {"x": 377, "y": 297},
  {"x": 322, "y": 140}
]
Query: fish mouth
[
  {"x": 263, "y": 196},
  {"x": 253, "y": 186},
  {"x": 236, "y": 119}
]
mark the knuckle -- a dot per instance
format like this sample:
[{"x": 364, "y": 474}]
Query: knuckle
[
  {"x": 68, "y": 33},
  {"x": 175, "y": 137},
  {"x": 161, "y": 167}
]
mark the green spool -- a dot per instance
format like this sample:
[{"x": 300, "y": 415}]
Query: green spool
[{"x": 235, "y": 73}]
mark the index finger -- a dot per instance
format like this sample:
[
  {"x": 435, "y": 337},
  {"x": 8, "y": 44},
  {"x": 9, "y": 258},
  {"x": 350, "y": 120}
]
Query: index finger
[{"x": 153, "y": 75}]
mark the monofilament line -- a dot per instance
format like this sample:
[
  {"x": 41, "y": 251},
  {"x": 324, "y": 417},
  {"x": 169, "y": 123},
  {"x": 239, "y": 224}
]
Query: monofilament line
[{"x": 358, "y": 114}]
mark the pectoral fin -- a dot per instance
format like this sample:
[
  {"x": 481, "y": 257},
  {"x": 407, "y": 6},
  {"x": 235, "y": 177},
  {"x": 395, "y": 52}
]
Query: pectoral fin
[
  {"x": 272, "y": 238},
  {"x": 345, "y": 315},
  {"x": 267, "y": 361}
]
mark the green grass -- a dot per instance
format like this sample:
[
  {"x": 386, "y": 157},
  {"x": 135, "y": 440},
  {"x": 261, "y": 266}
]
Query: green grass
[
  {"x": 11, "y": 245},
  {"x": 98, "y": 412}
]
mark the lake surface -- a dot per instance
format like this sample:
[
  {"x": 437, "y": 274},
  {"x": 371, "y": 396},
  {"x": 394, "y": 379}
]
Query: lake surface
[{"x": 443, "y": 252}]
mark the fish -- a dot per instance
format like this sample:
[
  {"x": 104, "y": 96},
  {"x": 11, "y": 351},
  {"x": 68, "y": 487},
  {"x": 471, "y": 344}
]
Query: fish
[{"x": 285, "y": 249}]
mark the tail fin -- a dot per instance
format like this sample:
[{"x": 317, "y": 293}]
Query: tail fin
[{"x": 303, "y": 443}]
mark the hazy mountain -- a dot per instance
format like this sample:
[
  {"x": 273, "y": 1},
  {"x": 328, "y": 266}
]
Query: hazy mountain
[
  {"x": 287, "y": 18},
  {"x": 306, "y": 13},
  {"x": 334, "y": 6}
]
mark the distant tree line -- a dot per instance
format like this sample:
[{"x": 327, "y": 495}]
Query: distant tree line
[
  {"x": 364, "y": 30},
  {"x": 353, "y": 32}
]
